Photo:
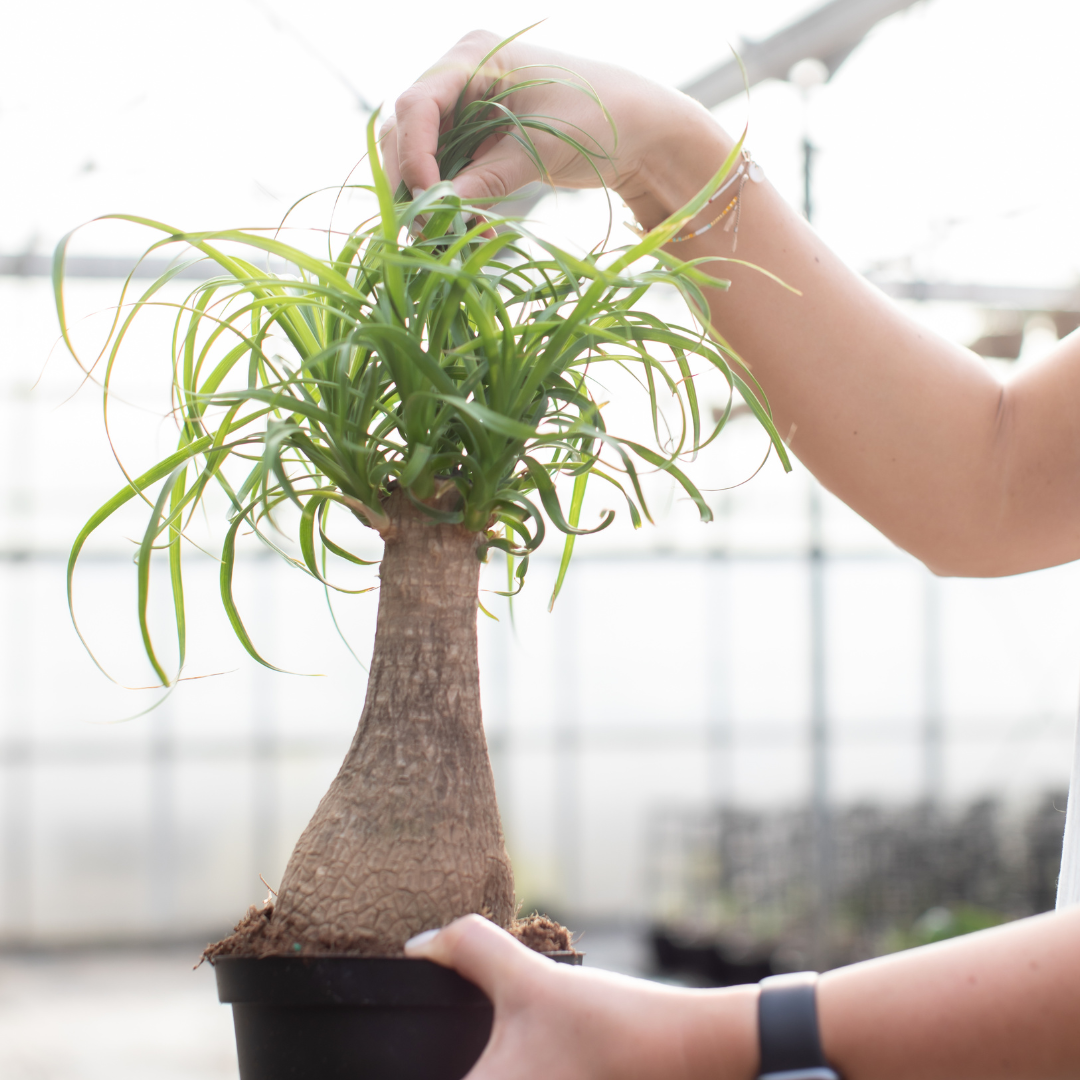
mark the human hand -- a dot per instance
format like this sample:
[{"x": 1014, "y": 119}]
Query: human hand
[
  {"x": 556, "y": 1022},
  {"x": 663, "y": 149}
]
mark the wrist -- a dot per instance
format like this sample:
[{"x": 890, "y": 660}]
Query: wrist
[
  {"x": 688, "y": 149},
  {"x": 722, "y": 1040}
]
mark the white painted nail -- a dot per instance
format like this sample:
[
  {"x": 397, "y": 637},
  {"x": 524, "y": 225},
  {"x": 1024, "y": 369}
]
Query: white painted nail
[{"x": 420, "y": 939}]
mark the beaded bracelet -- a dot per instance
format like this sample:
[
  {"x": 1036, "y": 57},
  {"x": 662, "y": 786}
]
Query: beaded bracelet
[
  {"x": 705, "y": 228},
  {"x": 748, "y": 169}
]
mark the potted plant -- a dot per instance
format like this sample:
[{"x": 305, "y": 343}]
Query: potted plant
[{"x": 436, "y": 375}]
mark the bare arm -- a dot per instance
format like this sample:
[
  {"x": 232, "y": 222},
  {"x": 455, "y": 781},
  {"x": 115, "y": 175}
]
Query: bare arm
[
  {"x": 1002, "y": 1003},
  {"x": 998, "y": 1005},
  {"x": 907, "y": 428}
]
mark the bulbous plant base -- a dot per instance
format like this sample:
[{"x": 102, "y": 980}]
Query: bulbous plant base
[{"x": 408, "y": 837}]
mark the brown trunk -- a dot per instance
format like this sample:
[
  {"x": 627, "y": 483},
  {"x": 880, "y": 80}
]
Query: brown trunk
[{"x": 408, "y": 836}]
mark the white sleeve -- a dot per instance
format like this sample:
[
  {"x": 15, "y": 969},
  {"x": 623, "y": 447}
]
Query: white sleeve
[{"x": 1068, "y": 892}]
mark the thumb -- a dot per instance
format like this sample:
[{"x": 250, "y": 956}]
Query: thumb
[
  {"x": 498, "y": 173},
  {"x": 476, "y": 948}
]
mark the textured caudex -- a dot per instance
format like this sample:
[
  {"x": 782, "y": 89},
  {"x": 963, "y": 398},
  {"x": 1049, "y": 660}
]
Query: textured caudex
[
  {"x": 408, "y": 834},
  {"x": 435, "y": 381}
]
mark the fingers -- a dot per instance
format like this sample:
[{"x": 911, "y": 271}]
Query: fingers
[
  {"x": 492, "y": 177},
  {"x": 388, "y": 152},
  {"x": 416, "y": 138},
  {"x": 497, "y": 174},
  {"x": 475, "y": 948},
  {"x": 422, "y": 107}
]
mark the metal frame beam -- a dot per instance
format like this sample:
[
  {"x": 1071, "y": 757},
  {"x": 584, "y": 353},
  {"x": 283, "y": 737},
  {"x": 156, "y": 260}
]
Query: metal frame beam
[{"x": 828, "y": 34}]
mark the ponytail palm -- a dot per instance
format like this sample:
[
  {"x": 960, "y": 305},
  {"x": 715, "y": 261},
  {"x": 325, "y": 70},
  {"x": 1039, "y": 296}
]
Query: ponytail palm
[{"x": 437, "y": 377}]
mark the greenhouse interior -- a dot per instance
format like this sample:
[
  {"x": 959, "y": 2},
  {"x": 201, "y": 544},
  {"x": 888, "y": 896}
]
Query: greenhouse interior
[{"x": 770, "y": 743}]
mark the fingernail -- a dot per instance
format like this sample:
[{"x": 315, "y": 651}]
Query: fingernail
[
  {"x": 417, "y": 192},
  {"x": 420, "y": 939}
]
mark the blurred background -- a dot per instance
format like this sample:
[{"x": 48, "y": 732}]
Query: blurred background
[{"x": 768, "y": 743}]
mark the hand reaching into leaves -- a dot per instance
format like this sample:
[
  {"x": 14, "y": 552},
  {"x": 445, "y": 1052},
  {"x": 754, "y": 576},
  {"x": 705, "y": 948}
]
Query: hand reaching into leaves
[
  {"x": 909, "y": 429},
  {"x": 629, "y": 125}
]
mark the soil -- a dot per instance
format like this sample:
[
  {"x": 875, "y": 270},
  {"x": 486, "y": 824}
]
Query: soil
[
  {"x": 541, "y": 934},
  {"x": 256, "y": 935}
]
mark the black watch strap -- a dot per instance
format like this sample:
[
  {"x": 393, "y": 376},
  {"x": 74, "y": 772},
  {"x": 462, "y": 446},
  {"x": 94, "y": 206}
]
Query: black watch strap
[{"x": 788, "y": 1029}]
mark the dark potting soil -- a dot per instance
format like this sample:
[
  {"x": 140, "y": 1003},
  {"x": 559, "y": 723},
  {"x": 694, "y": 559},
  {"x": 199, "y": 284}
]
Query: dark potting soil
[{"x": 256, "y": 935}]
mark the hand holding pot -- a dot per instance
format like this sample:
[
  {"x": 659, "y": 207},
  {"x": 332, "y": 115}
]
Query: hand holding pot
[
  {"x": 1000, "y": 1003},
  {"x": 650, "y": 143},
  {"x": 557, "y": 1022}
]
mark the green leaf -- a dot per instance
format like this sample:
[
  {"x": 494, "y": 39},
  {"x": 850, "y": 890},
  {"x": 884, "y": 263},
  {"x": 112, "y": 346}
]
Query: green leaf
[
  {"x": 576, "y": 499},
  {"x": 423, "y": 355}
]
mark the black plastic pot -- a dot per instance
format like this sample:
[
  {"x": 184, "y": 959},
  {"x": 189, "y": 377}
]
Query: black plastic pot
[{"x": 354, "y": 1018}]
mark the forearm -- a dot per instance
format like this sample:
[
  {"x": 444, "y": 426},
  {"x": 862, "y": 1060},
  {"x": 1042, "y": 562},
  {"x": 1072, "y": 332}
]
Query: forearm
[
  {"x": 1001, "y": 1003},
  {"x": 910, "y": 430}
]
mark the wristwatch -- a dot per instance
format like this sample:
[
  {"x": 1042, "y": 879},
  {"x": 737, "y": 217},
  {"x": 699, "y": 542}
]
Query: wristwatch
[{"x": 788, "y": 1029}]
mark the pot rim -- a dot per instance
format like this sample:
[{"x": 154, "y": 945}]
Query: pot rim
[{"x": 372, "y": 981}]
